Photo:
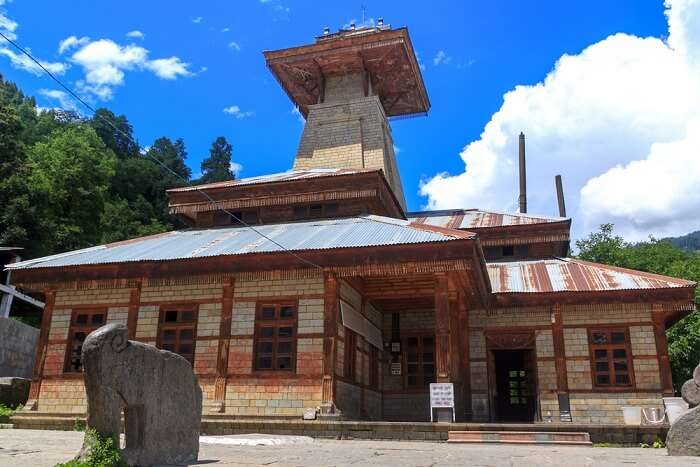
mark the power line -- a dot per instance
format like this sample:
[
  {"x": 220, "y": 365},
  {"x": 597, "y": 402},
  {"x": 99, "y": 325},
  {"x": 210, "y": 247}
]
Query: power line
[{"x": 155, "y": 159}]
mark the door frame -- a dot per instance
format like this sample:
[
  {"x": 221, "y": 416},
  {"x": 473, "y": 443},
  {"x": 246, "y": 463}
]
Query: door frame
[{"x": 497, "y": 339}]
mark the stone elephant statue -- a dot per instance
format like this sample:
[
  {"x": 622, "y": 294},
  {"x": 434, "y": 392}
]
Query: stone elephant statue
[
  {"x": 157, "y": 391},
  {"x": 684, "y": 436}
]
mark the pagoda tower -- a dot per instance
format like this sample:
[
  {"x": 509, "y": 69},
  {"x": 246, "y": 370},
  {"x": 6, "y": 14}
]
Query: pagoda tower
[{"x": 347, "y": 85}]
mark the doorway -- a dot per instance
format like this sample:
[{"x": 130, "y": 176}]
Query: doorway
[{"x": 515, "y": 385}]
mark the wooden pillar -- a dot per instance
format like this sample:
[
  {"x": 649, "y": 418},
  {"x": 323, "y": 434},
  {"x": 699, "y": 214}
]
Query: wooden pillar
[
  {"x": 133, "y": 314},
  {"x": 465, "y": 370},
  {"x": 559, "y": 350},
  {"x": 224, "y": 343},
  {"x": 443, "y": 363},
  {"x": 658, "y": 317},
  {"x": 40, "y": 358},
  {"x": 331, "y": 288}
]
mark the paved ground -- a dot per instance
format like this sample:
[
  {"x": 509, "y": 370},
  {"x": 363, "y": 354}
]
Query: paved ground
[{"x": 24, "y": 448}]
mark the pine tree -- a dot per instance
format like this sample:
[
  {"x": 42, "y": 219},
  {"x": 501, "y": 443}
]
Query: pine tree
[{"x": 217, "y": 167}]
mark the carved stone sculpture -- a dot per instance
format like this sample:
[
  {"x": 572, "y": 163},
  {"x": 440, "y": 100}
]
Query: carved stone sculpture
[
  {"x": 684, "y": 436},
  {"x": 157, "y": 391}
]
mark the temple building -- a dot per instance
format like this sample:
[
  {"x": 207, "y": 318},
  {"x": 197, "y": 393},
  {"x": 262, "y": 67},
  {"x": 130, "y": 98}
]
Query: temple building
[{"x": 330, "y": 295}]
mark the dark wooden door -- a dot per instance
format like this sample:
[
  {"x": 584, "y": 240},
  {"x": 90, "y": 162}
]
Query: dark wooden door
[{"x": 515, "y": 396}]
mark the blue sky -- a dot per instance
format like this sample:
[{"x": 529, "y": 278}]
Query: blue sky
[{"x": 473, "y": 53}]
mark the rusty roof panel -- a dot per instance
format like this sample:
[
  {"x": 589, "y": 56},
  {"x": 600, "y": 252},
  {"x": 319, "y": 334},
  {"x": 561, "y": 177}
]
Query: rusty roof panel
[
  {"x": 478, "y": 219},
  {"x": 572, "y": 275}
]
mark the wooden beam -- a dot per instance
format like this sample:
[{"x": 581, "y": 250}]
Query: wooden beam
[
  {"x": 658, "y": 317},
  {"x": 40, "y": 358},
  {"x": 442, "y": 328},
  {"x": 465, "y": 369},
  {"x": 331, "y": 294},
  {"x": 12, "y": 291},
  {"x": 133, "y": 313},
  {"x": 559, "y": 350},
  {"x": 224, "y": 343}
]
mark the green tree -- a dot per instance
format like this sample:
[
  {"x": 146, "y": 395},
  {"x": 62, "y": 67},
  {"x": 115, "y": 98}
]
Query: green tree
[
  {"x": 660, "y": 257},
  {"x": 173, "y": 155},
  {"x": 120, "y": 140},
  {"x": 70, "y": 176},
  {"x": 217, "y": 167}
]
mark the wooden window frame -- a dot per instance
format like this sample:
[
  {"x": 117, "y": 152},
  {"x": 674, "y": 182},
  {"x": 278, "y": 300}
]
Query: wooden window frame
[
  {"x": 610, "y": 347},
  {"x": 325, "y": 208},
  {"x": 87, "y": 328},
  {"x": 350, "y": 358},
  {"x": 421, "y": 364},
  {"x": 178, "y": 326},
  {"x": 276, "y": 323}
]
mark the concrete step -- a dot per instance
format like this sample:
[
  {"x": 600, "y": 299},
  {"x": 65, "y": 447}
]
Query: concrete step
[
  {"x": 520, "y": 437},
  {"x": 6, "y": 426}
]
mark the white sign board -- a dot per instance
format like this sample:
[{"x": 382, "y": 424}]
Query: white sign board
[
  {"x": 396, "y": 369},
  {"x": 442, "y": 396}
]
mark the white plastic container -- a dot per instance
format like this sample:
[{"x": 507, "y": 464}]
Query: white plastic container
[
  {"x": 675, "y": 407},
  {"x": 632, "y": 415}
]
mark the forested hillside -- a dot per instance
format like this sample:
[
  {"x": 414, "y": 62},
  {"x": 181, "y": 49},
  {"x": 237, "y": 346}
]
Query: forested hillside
[
  {"x": 70, "y": 182},
  {"x": 689, "y": 242},
  {"x": 661, "y": 257}
]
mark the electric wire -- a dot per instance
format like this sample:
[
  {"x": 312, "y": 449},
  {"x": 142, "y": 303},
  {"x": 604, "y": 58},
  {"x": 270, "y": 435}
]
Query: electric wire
[{"x": 155, "y": 159}]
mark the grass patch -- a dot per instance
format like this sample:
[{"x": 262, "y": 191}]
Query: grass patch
[
  {"x": 6, "y": 412},
  {"x": 103, "y": 453}
]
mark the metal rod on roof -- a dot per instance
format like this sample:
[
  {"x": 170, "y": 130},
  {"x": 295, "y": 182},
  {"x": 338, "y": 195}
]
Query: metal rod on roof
[
  {"x": 522, "y": 200},
  {"x": 560, "y": 196}
]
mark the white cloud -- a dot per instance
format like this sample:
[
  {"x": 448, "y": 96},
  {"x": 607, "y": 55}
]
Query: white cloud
[
  {"x": 619, "y": 121},
  {"x": 19, "y": 60},
  {"x": 234, "y": 45},
  {"x": 421, "y": 65},
  {"x": 104, "y": 63},
  {"x": 8, "y": 26},
  {"x": 169, "y": 68},
  {"x": 225, "y": 29},
  {"x": 237, "y": 112},
  {"x": 22, "y": 62},
  {"x": 397, "y": 150},
  {"x": 71, "y": 42},
  {"x": 65, "y": 102},
  {"x": 136, "y": 34},
  {"x": 235, "y": 168},
  {"x": 441, "y": 58},
  {"x": 197, "y": 20}
]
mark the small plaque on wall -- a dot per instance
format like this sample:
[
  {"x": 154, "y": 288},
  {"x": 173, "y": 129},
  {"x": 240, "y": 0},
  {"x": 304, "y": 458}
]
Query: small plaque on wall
[
  {"x": 396, "y": 369},
  {"x": 396, "y": 347}
]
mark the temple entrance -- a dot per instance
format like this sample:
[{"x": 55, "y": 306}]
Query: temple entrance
[{"x": 515, "y": 385}]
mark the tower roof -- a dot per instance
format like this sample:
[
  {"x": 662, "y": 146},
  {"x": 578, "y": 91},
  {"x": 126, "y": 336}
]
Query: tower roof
[{"x": 385, "y": 54}]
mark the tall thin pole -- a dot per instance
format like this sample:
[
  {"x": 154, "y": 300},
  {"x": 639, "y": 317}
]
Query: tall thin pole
[
  {"x": 522, "y": 199},
  {"x": 560, "y": 196}
]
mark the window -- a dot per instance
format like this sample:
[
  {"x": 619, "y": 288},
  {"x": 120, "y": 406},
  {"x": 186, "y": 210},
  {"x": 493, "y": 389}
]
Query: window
[
  {"x": 275, "y": 336},
  {"x": 315, "y": 211},
  {"x": 350, "y": 354},
  {"x": 610, "y": 354},
  {"x": 83, "y": 322},
  {"x": 506, "y": 251},
  {"x": 249, "y": 217},
  {"x": 176, "y": 330},
  {"x": 419, "y": 354}
]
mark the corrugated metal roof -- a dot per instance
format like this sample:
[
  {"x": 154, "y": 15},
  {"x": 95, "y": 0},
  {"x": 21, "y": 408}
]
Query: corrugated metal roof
[
  {"x": 476, "y": 218},
  {"x": 572, "y": 275},
  {"x": 296, "y": 236},
  {"x": 278, "y": 177}
]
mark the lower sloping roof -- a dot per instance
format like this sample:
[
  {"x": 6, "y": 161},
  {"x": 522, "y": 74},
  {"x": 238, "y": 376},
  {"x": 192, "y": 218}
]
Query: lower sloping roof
[
  {"x": 352, "y": 232},
  {"x": 573, "y": 275},
  {"x": 478, "y": 218}
]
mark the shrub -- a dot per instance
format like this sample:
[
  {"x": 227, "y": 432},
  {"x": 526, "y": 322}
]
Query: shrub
[{"x": 102, "y": 453}]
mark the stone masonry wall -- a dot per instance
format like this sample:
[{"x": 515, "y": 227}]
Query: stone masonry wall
[
  {"x": 247, "y": 392},
  {"x": 17, "y": 348}
]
